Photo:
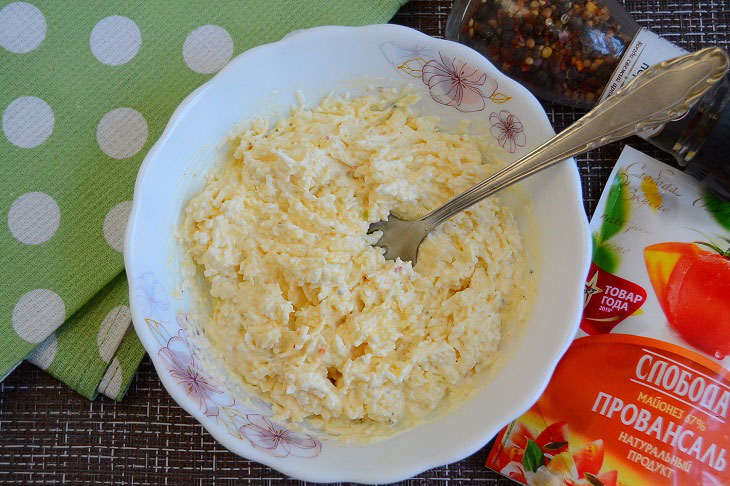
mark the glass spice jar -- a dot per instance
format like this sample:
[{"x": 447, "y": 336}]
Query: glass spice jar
[
  {"x": 579, "y": 52},
  {"x": 562, "y": 51}
]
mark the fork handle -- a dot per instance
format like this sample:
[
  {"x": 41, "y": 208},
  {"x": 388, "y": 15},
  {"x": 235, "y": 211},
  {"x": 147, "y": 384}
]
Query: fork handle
[{"x": 660, "y": 94}]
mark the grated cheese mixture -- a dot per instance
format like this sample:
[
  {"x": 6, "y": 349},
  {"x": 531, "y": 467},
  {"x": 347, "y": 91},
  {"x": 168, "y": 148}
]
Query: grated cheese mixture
[{"x": 311, "y": 315}]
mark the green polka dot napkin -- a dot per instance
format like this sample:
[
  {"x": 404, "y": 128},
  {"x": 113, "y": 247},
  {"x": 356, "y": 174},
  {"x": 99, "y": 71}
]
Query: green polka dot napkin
[{"x": 85, "y": 89}]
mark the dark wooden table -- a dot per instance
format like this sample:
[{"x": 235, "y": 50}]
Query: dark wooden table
[{"x": 51, "y": 435}]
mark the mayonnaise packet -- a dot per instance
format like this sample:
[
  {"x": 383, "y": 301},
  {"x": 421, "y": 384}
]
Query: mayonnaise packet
[{"x": 642, "y": 396}]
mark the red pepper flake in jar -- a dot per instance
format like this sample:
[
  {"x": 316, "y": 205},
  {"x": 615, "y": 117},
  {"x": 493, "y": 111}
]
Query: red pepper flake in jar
[{"x": 562, "y": 50}]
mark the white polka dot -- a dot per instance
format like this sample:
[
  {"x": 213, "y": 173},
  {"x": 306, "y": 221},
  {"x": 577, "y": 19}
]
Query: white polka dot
[
  {"x": 121, "y": 133},
  {"x": 115, "y": 40},
  {"x": 115, "y": 225},
  {"x": 28, "y": 121},
  {"x": 44, "y": 354},
  {"x": 33, "y": 218},
  {"x": 37, "y": 314},
  {"x": 22, "y": 27},
  {"x": 112, "y": 331},
  {"x": 207, "y": 49},
  {"x": 111, "y": 383}
]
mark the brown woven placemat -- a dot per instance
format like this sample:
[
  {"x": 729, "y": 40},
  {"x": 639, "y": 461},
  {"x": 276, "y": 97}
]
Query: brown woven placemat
[{"x": 50, "y": 435}]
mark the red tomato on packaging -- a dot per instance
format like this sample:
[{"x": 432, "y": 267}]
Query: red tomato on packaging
[
  {"x": 589, "y": 459},
  {"x": 693, "y": 288},
  {"x": 608, "y": 478},
  {"x": 698, "y": 296},
  {"x": 519, "y": 435},
  {"x": 509, "y": 454},
  {"x": 554, "y": 439}
]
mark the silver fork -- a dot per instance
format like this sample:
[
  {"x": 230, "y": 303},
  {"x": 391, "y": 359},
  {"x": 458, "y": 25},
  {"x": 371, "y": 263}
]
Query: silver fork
[{"x": 658, "y": 95}]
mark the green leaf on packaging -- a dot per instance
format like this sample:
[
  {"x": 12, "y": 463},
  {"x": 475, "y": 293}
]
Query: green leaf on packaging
[
  {"x": 605, "y": 257},
  {"x": 617, "y": 210},
  {"x": 718, "y": 208},
  {"x": 534, "y": 458}
]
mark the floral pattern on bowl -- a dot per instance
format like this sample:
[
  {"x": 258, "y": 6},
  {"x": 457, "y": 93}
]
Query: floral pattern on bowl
[
  {"x": 351, "y": 60},
  {"x": 183, "y": 367},
  {"x": 507, "y": 130},
  {"x": 453, "y": 82}
]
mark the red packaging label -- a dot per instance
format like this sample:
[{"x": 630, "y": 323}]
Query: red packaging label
[
  {"x": 642, "y": 396},
  {"x": 628, "y": 404},
  {"x": 609, "y": 299}
]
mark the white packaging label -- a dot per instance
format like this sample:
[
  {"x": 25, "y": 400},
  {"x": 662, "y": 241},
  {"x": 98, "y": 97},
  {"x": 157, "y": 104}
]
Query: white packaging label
[{"x": 645, "y": 50}]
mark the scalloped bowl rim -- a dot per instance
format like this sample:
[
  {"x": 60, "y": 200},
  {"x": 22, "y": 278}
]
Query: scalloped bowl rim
[{"x": 486, "y": 428}]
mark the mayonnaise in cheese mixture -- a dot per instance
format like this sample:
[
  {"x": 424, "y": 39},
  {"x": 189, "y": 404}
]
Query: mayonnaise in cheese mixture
[{"x": 307, "y": 311}]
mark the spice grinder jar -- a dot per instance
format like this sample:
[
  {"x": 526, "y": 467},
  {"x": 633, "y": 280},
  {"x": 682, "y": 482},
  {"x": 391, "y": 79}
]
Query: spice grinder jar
[
  {"x": 562, "y": 51},
  {"x": 579, "y": 52}
]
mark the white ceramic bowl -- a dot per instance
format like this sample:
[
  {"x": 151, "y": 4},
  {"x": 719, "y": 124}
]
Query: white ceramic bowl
[{"x": 340, "y": 59}]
